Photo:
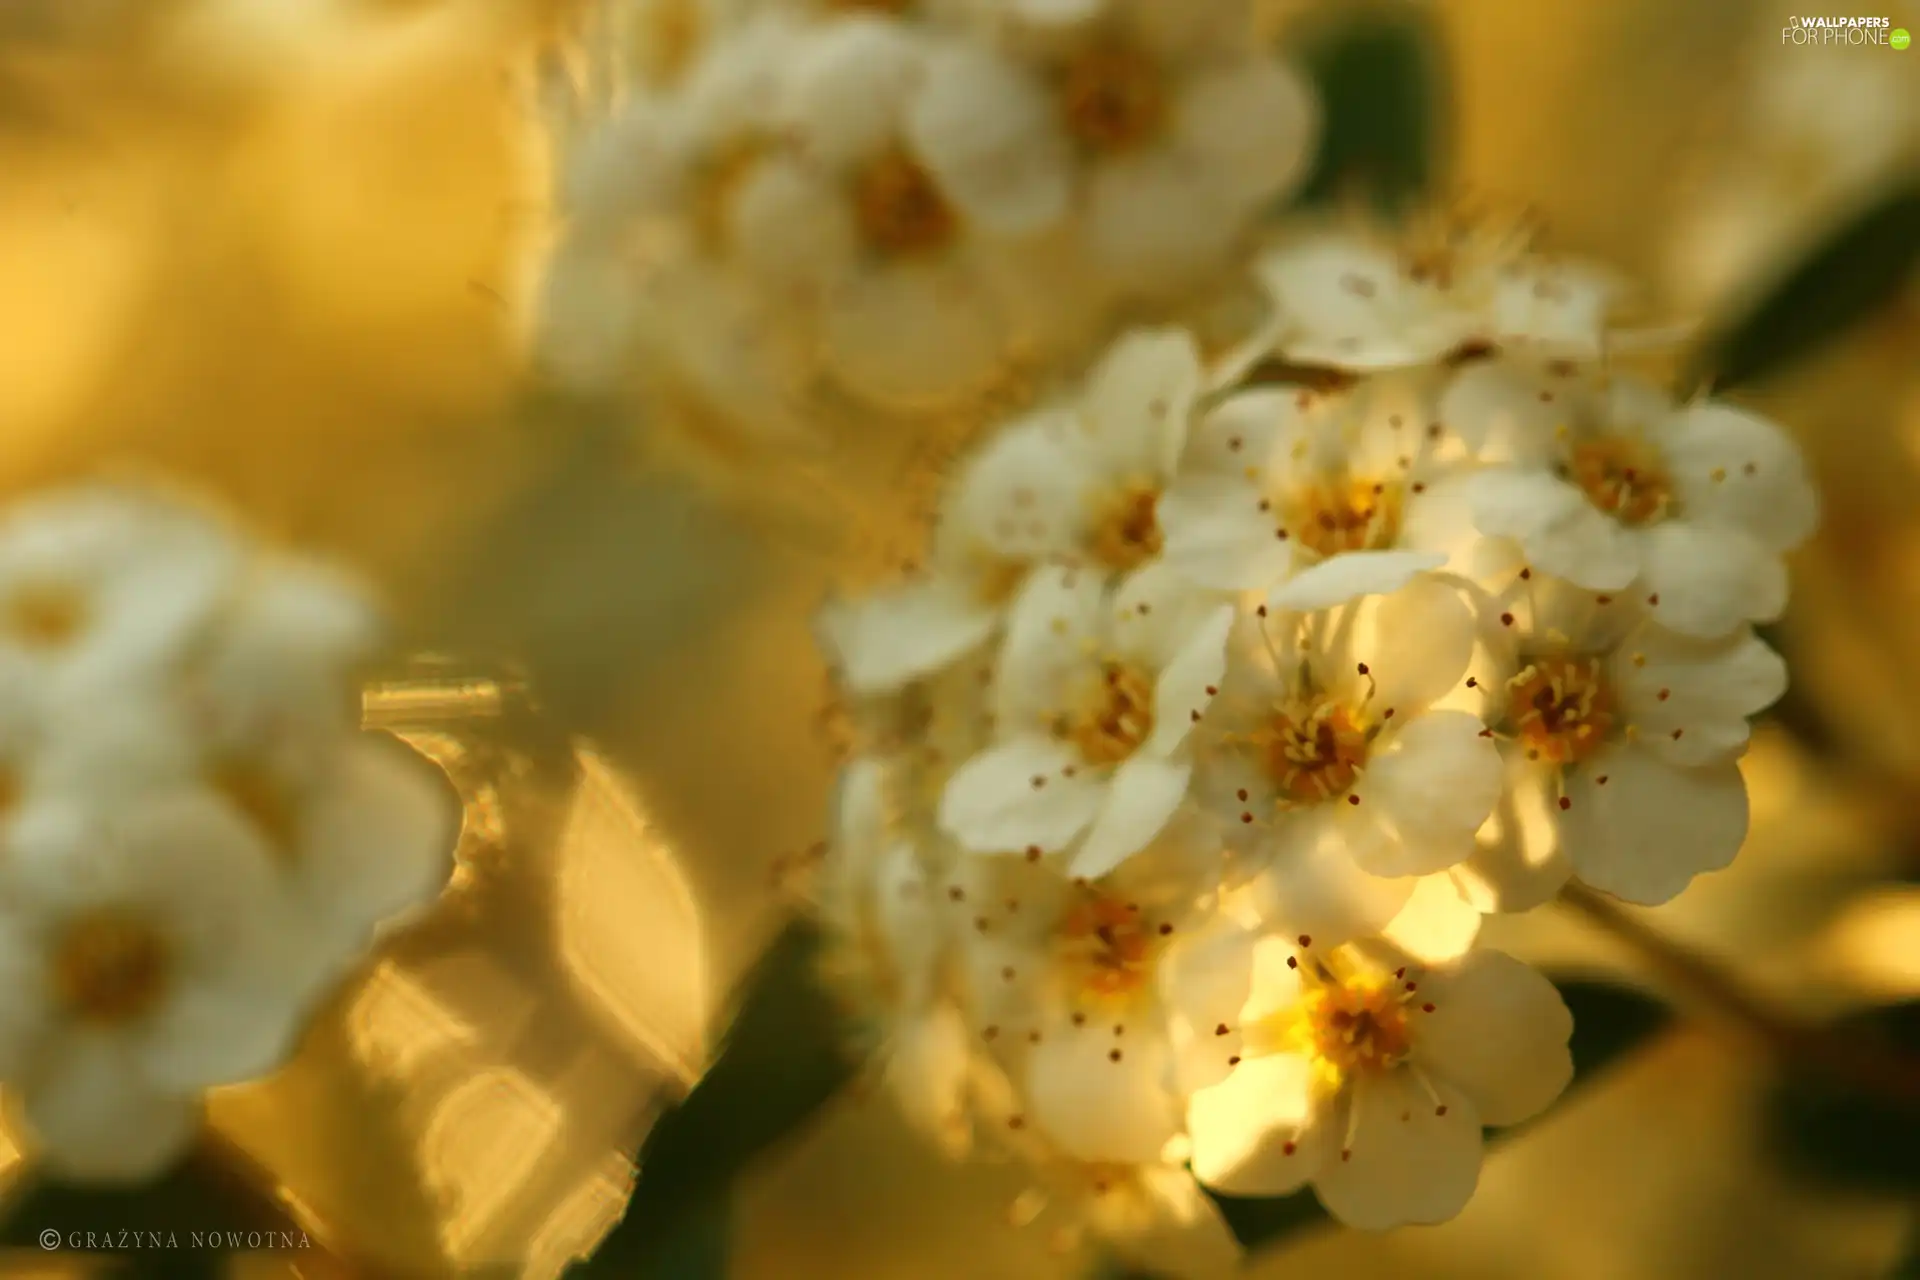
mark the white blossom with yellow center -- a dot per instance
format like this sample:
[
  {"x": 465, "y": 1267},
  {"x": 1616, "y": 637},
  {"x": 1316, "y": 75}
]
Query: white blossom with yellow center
[
  {"x": 1077, "y": 483},
  {"x": 1450, "y": 288},
  {"x": 1159, "y": 130},
  {"x": 1332, "y": 773},
  {"x": 149, "y": 954},
  {"x": 1276, "y": 480},
  {"x": 1095, "y": 695},
  {"x": 1370, "y": 1079},
  {"x": 1621, "y": 743},
  {"x": 1688, "y": 509},
  {"x": 1107, "y": 1000}
]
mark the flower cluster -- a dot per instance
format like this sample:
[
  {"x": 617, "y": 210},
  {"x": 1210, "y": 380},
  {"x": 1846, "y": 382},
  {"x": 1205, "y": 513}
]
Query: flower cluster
[
  {"x": 1220, "y": 714},
  {"x": 907, "y": 205},
  {"x": 198, "y": 841}
]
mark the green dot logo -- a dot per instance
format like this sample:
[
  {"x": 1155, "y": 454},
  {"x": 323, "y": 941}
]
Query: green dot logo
[{"x": 1899, "y": 39}]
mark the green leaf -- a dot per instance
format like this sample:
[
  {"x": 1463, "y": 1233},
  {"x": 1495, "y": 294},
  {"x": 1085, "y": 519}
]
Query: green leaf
[
  {"x": 784, "y": 1058},
  {"x": 1608, "y": 1023},
  {"x": 173, "y": 1226},
  {"x": 1861, "y": 268},
  {"x": 1835, "y": 1131},
  {"x": 1381, "y": 81}
]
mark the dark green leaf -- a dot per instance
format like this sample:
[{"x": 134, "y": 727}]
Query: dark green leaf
[
  {"x": 189, "y": 1222},
  {"x": 1837, "y": 1132},
  {"x": 1608, "y": 1022},
  {"x": 783, "y": 1058},
  {"x": 1865, "y": 265},
  {"x": 1383, "y": 95}
]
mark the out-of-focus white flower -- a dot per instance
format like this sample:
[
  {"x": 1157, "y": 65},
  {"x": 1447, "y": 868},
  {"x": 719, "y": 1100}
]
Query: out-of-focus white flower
[
  {"x": 198, "y": 839},
  {"x": 1078, "y": 483},
  {"x": 1371, "y": 1079},
  {"x": 883, "y": 902},
  {"x": 1615, "y": 488},
  {"x": 1324, "y": 758},
  {"x": 1621, "y": 741},
  {"x": 1162, "y": 130},
  {"x": 1278, "y": 479},
  {"x": 1107, "y": 1000},
  {"x": 103, "y": 587},
  {"x": 149, "y": 954},
  {"x": 1095, "y": 695},
  {"x": 1445, "y": 290}
]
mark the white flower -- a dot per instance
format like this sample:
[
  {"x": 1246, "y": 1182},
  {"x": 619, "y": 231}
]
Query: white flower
[
  {"x": 1094, "y": 697},
  {"x": 1110, "y": 1000},
  {"x": 1371, "y": 1080},
  {"x": 1616, "y": 489},
  {"x": 149, "y": 954},
  {"x": 1276, "y": 480},
  {"x": 1161, "y": 130},
  {"x": 1621, "y": 743},
  {"x": 884, "y": 906},
  {"x": 1078, "y": 483},
  {"x": 1450, "y": 289},
  {"x": 102, "y": 588},
  {"x": 1324, "y": 758}
]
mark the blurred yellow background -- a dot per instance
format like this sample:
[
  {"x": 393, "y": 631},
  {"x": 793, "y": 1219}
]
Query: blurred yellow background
[{"x": 283, "y": 248}]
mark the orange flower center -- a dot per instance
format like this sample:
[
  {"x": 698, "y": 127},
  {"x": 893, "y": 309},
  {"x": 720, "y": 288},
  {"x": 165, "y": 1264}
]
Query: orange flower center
[
  {"x": 898, "y": 208},
  {"x": 1112, "y": 99},
  {"x": 1314, "y": 752},
  {"x": 1353, "y": 515},
  {"x": 1126, "y": 529},
  {"x": 1560, "y": 708},
  {"x": 1623, "y": 477},
  {"x": 46, "y": 615},
  {"x": 1116, "y": 718},
  {"x": 110, "y": 968},
  {"x": 1107, "y": 946}
]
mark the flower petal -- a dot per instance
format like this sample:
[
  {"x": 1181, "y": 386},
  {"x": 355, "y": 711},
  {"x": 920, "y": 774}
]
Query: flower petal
[
  {"x": 1350, "y": 575},
  {"x": 1219, "y": 534},
  {"x": 1558, "y": 528},
  {"x": 1253, "y": 123},
  {"x": 888, "y": 638},
  {"x": 1690, "y": 699},
  {"x": 1024, "y": 496},
  {"x": 927, "y": 1072},
  {"x": 1205, "y": 981},
  {"x": 1257, "y": 1133},
  {"x": 1426, "y": 794},
  {"x": 1410, "y": 674},
  {"x": 1650, "y": 828},
  {"x": 1736, "y": 468},
  {"x": 1139, "y": 397},
  {"x": 1103, "y": 1097},
  {"x": 1141, "y": 797},
  {"x": 1312, "y": 885},
  {"x": 1437, "y": 924},
  {"x": 1049, "y": 628},
  {"x": 1517, "y": 862},
  {"x": 993, "y": 804},
  {"x": 1187, "y": 686},
  {"x": 1409, "y": 1163},
  {"x": 95, "y": 1120},
  {"x": 912, "y": 336},
  {"x": 1705, "y": 580},
  {"x": 987, "y": 131},
  {"x": 1498, "y": 1032}
]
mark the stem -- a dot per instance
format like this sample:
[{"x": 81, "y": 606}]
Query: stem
[{"x": 1838, "y": 1053}]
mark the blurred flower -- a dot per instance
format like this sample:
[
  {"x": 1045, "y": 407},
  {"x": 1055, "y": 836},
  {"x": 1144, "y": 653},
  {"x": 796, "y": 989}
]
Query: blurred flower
[{"x": 201, "y": 838}]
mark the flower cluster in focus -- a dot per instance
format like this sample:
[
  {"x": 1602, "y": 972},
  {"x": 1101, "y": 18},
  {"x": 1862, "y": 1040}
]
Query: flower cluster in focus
[
  {"x": 199, "y": 842},
  {"x": 1222, "y": 709}
]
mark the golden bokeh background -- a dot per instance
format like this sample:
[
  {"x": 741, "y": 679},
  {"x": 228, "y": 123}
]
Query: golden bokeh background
[{"x": 284, "y": 249}]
